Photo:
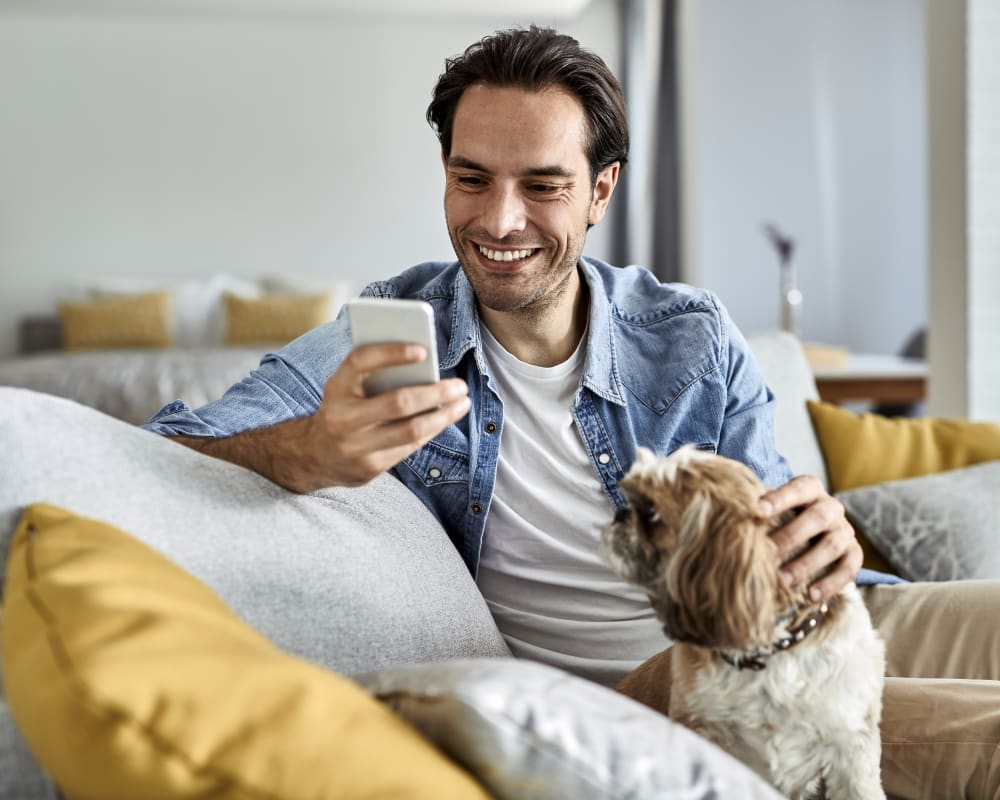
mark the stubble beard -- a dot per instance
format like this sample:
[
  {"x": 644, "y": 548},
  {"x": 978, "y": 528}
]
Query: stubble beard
[{"x": 531, "y": 302}]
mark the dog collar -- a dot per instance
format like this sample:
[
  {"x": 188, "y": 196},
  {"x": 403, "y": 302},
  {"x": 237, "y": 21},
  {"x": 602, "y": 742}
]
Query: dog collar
[{"x": 756, "y": 659}]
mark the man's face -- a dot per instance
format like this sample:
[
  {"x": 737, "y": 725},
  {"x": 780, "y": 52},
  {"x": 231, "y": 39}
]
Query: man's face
[{"x": 518, "y": 196}]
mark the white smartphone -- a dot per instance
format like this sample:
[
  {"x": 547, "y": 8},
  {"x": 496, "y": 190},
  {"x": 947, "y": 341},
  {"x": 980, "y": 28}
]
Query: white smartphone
[{"x": 375, "y": 320}]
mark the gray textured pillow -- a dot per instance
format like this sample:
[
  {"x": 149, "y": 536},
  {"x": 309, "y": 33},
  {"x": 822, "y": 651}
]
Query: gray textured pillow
[
  {"x": 353, "y": 579},
  {"x": 532, "y": 732},
  {"x": 20, "y": 776},
  {"x": 938, "y": 527}
]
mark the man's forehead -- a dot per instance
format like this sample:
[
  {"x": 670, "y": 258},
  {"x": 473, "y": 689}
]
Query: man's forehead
[{"x": 545, "y": 129}]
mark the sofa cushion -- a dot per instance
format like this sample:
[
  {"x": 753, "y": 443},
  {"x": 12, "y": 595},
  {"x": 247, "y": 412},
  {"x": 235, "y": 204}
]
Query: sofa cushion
[
  {"x": 868, "y": 449},
  {"x": 354, "y": 579},
  {"x": 130, "y": 678},
  {"x": 21, "y": 777},
  {"x": 788, "y": 374},
  {"x": 865, "y": 449},
  {"x": 532, "y": 732},
  {"x": 924, "y": 532}
]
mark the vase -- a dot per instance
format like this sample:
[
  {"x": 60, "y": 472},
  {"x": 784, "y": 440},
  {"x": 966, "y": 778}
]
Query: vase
[{"x": 791, "y": 299}]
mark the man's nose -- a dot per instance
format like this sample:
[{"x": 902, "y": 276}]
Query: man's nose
[{"x": 504, "y": 213}]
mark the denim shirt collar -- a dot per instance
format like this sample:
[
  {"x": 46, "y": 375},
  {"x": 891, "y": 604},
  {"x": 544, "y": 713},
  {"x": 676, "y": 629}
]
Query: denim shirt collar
[
  {"x": 600, "y": 373},
  {"x": 464, "y": 325}
]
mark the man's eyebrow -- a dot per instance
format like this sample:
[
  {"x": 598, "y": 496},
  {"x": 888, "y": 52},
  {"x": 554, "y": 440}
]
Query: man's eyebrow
[
  {"x": 553, "y": 171},
  {"x": 465, "y": 163}
]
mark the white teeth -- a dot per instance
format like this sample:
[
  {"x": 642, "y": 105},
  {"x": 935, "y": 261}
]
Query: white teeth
[{"x": 504, "y": 255}]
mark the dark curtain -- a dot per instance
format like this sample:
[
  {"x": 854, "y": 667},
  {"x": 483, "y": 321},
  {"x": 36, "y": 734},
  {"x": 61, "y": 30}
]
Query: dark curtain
[{"x": 648, "y": 217}]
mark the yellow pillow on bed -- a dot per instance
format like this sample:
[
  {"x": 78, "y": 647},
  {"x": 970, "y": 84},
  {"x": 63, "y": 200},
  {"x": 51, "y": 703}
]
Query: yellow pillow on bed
[
  {"x": 274, "y": 318},
  {"x": 129, "y": 678},
  {"x": 140, "y": 320}
]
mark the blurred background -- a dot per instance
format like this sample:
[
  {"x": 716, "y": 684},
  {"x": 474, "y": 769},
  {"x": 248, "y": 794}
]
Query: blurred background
[{"x": 193, "y": 137}]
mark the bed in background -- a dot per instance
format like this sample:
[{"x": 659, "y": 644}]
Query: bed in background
[{"x": 130, "y": 348}]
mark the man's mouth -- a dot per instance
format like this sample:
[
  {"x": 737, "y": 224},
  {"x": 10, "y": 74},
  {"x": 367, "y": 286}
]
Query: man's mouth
[{"x": 506, "y": 256}]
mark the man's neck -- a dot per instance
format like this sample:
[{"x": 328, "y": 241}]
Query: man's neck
[{"x": 543, "y": 336}]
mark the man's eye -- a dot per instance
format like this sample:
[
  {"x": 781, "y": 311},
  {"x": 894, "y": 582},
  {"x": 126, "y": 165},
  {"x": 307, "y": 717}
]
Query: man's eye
[
  {"x": 545, "y": 188},
  {"x": 470, "y": 180}
]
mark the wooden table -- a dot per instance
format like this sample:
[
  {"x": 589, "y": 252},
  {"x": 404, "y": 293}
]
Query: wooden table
[{"x": 873, "y": 378}]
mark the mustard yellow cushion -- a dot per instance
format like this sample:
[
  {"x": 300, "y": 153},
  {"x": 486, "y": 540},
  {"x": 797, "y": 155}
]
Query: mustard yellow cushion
[
  {"x": 865, "y": 449},
  {"x": 868, "y": 449},
  {"x": 129, "y": 678},
  {"x": 130, "y": 321},
  {"x": 274, "y": 318}
]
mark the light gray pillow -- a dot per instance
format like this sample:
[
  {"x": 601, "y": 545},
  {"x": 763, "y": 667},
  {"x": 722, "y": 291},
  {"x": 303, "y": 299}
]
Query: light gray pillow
[
  {"x": 352, "y": 579},
  {"x": 937, "y": 527},
  {"x": 20, "y": 776},
  {"x": 533, "y": 732}
]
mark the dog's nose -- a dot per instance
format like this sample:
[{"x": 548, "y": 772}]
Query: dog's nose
[{"x": 621, "y": 514}]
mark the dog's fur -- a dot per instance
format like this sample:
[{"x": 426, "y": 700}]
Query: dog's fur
[{"x": 806, "y": 717}]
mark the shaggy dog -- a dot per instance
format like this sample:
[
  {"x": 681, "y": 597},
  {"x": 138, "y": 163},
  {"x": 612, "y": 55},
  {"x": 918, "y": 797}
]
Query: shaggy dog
[{"x": 790, "y": 687}]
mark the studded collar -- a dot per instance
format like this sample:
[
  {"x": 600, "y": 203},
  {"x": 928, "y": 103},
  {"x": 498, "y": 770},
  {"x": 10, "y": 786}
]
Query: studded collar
[{"x": 756, "y": 659}]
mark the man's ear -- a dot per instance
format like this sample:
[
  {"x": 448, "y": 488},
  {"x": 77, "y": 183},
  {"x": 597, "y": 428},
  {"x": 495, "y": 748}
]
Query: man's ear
[{"x": 604, "y": 186}]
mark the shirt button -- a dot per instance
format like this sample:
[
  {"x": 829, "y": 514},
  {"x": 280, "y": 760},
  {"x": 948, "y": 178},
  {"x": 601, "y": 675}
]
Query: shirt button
[
  {"x": 434, "y": 472},
  {"x": 477, "y": 509},
  {"x": 491, "y": 427},
  {"x": 604, "y": 458}
]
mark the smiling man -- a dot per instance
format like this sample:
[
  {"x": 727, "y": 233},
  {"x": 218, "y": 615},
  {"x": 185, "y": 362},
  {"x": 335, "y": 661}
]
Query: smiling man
[{"x": 555, "y": 368}]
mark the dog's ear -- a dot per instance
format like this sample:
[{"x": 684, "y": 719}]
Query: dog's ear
[{"x": 722, "y": 579}]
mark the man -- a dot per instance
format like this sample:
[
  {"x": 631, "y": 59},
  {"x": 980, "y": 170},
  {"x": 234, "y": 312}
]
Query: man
[{"x": 556, "y": 367}]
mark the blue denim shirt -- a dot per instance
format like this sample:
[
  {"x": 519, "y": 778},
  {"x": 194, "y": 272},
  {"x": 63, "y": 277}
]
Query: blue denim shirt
[{"x": 665, "y": 366}]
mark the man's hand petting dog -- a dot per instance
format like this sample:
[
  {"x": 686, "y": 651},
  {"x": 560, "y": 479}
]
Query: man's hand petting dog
[{"x": 821, "y": 521}]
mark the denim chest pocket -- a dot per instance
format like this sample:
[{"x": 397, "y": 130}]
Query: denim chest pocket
[
  {"x": 435, "y": 464},
  {"x": 439, "y": 476}
]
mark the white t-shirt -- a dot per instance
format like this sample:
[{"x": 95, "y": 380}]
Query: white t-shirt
[{"x": 552, "y": 596}]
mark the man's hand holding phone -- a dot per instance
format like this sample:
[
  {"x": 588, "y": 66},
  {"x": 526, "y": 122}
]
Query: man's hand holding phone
[
  {"x": 385, "y": 400},
  {"x": 383, "y": 403},
  {"x": 364, "y": 436}
]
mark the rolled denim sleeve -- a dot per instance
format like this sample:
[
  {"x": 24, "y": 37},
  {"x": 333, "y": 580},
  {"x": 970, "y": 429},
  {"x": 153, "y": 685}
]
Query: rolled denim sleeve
[{"x": 287, "y": 384}]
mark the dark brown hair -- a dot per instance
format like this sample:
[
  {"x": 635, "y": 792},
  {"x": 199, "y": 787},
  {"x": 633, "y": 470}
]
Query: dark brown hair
[{"x": 534, "y": 59}]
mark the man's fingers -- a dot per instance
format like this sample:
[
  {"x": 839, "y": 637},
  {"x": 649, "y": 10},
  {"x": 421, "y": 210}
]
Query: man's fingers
[
  {"x": 377, "y": 449},
  {"x": 366, "y": 359},
  {"x": 835, "y": 580},
  {"x": 415, "y": 431},
  {"x": 799, "y": 491},
  {"x": 820, "y": 515},
  {"x": 837, "y": 547},
  {"x": 402, "y": 403}
]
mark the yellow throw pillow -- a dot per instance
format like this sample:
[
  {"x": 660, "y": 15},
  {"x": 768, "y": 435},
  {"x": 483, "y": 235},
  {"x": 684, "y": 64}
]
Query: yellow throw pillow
[
  {"x": 140, "y": 320},
  {"x": 865, "y": 449},
  {"x": 868, "y": 449},
  {"x": 276, "y": 318},
  {"x": 129, "y": 678}
]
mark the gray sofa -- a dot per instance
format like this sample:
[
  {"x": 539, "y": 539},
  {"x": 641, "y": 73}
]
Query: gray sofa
[{"x": 363, "y": 582}]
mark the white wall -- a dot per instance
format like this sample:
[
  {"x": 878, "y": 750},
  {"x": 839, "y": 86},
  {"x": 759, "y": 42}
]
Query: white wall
[
  {"x": 964, "y": 159},
  {"x": 810, "y": 115},
  {"x": 251, "y": 143},
  {"x": 983, "y": 165}
]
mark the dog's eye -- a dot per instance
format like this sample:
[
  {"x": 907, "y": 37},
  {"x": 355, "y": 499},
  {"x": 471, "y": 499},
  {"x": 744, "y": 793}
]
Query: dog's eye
[{"x": 649, "y": 515}]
